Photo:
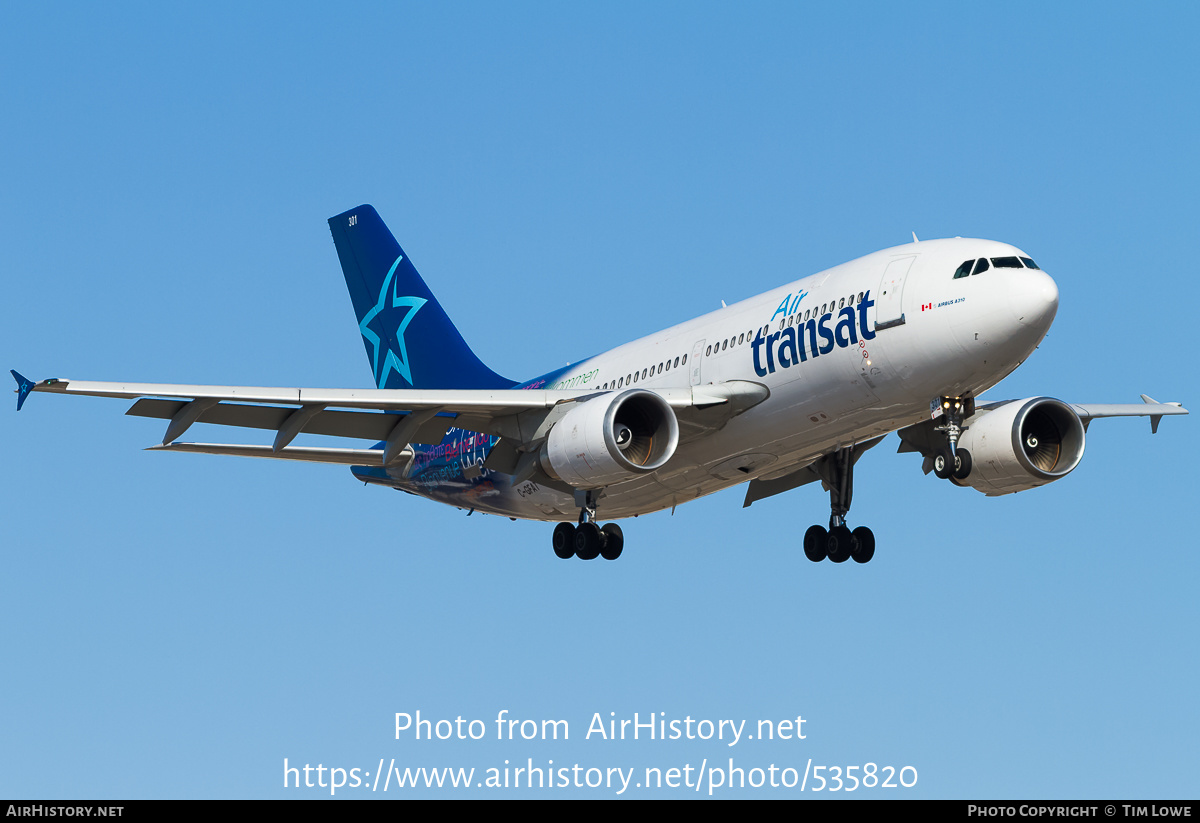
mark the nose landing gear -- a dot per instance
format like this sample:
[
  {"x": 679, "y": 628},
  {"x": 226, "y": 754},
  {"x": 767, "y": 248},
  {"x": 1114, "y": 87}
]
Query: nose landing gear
[{"x": 953, "y": 462}]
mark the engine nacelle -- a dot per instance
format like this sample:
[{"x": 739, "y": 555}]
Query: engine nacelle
[
  {"x": 611, "y": 438},
  {"x": 1022, "y": 444}
]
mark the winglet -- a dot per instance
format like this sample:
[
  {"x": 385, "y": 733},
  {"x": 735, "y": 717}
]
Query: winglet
[
  {"x": 1154, "y": 418},
  {"x": 24, "y": 387}
]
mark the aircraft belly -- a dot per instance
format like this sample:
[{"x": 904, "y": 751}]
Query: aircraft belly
[
  {"x": 495, "y": 493},
  {"x": 830, "y": 394}
]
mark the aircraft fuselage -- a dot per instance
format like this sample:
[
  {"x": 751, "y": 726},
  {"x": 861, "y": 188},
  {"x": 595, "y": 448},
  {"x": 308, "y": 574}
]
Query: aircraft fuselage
[{"x": 846, "y": 354}]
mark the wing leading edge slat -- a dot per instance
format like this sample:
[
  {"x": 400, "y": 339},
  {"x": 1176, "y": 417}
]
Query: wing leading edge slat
[{"x": 495, "y": 401}]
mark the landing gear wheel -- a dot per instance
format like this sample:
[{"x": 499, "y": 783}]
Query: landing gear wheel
[
  {"x": 588, "y": 541},
  {"x": 613, "y": 541},
  {"x": 839, "y": 544},
  {"x": 943, "y": 465},
  {"x": 564, "y": 540},
  {"x": 962, "y": 466},
  {"x": 864, "y": 544},
  {"x": 815, "y": 540}
]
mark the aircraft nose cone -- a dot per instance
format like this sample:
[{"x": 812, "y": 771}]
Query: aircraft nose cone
[{"x": 1034, "y": 299}]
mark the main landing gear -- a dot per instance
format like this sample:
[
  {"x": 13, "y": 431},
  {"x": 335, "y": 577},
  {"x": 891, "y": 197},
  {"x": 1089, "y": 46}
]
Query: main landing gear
[
  {"x": 838, "y": 542},
  {"x": 953, "y": 462},
  {"x": 587, "y": 541}
]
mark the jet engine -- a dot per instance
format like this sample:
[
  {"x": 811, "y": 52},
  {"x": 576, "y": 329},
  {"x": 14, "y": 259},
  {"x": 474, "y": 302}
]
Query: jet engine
[
  {"x": 611, "y": 438},
  {"x": 1021, "y": 444}
]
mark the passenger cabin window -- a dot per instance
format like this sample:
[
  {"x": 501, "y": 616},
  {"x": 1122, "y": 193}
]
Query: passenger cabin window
[
  {"x": 964, "y": 270},
  {"x": 981, "y": 265}
]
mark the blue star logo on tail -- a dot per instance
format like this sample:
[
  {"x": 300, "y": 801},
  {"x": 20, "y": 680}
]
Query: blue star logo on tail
[
  {"x": 24, "y": 387},
  {"x": 385, "y": 360}
]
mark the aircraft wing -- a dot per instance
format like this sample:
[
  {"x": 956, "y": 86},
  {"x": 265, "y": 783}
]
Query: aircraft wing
[
  {"x": 395, "y": 417},
  {"x": 1149, "y": 407}
]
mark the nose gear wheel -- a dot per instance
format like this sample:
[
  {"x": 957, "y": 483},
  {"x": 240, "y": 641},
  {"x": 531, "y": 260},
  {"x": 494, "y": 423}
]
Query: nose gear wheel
[{"x": 953, "y": 462}]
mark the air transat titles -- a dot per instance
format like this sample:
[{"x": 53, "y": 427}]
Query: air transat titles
[{"x": 785, "y": 348}]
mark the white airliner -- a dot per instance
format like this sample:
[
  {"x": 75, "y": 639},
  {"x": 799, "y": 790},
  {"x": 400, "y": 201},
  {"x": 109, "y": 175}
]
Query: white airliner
[{"x": 783, "y": 389}]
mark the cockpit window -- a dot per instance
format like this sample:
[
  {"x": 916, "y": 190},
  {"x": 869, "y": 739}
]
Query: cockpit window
[
  {"x": 1006, "y": 262},
  {"x": 1029, "y": 264},
  {"x": 964, "y": 270},
  {"x": 981, "y": 265}
]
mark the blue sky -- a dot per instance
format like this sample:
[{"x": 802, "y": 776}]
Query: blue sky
[{"x": 567, "y": 179}]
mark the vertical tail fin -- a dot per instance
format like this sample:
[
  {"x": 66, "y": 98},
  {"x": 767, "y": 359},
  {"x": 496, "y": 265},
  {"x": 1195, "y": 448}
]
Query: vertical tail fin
[
  {"x": 25, "y": 386},
  {"x": 410, "y": 340}
]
